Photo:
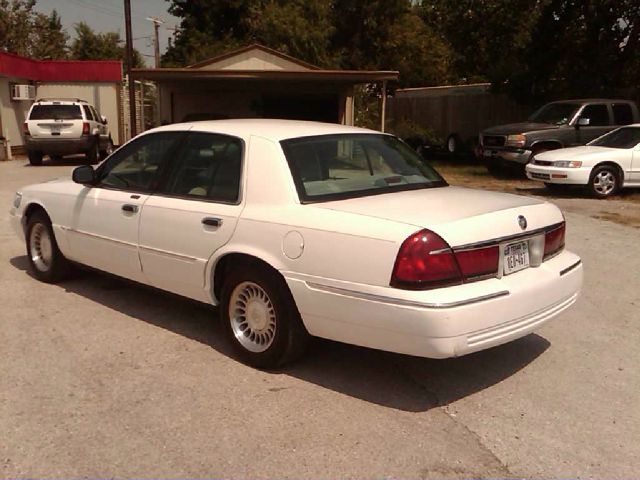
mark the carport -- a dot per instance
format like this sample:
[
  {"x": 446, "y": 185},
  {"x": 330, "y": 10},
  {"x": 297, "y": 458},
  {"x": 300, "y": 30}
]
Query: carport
[{"x": 257, "y": 81}]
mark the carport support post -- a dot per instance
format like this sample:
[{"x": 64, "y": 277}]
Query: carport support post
[{"x": 383, "y": 108}]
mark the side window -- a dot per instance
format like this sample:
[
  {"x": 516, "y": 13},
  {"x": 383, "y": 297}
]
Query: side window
[
  {"x": 209, "y": 167},
  {"x": 622, "y": 114},
  {"x": 598, "y": 115},
  {"x": 136, "y": 166},
  {"x": 87, "y": 112},
  {"x": 95, "y": 114}
]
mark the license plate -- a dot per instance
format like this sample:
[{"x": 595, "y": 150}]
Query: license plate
[
  {"x": 490, "y": 153},
  {"x": 55, "y": 130},
  {"x": 516, "y": 257}
]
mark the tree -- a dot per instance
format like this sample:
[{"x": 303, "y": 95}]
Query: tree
[
  {"x": 28, "y": 33},
  {"x": 89, "y": 45}
]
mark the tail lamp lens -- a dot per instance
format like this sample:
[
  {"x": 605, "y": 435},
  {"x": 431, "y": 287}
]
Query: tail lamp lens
[
  {"x": 25, "y": 128},
  {"x": 479, "y": 261},
  {"x": 425, "y": 260},
  {"x": 85, "y": 128},
  {"x": 554, "y": 240}
]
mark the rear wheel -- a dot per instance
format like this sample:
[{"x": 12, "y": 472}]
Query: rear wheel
[
  {"x": 35, "y": 158},
  {"x": 93, "y": 154},
  {"x": 107, "y": 150},
  {"x": 604, "y": 181},
  {"x": 454, "y": 144},
  {"x": 260, "y": 317},
  {"x": 46, "y": 262}
]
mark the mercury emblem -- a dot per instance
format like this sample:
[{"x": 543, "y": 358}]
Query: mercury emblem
[{"x": 522, "y": 222}]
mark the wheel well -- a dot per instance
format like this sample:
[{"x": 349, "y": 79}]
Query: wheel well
[
  {"x": 609, "y": 164},
  {"x": 234, "y": 260},
  {"x": 549, "y": 145},
  {"x": 33, "y": 208}
]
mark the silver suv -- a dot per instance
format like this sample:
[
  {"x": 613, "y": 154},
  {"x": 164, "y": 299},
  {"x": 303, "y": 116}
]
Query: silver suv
[{"x": 58, "y": 127}]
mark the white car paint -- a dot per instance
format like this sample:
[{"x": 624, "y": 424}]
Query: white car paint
[
  {"x": 336, "y": 257},
  {"x": 591, "y": 156}
]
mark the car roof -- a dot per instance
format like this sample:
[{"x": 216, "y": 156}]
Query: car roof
[
  {"x": 593, "y": 100},
  {"x": 60, "y": 101},
  {"x": 272, "y": 129}
]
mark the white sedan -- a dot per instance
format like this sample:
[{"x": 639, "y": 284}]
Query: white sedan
[
  {"x": 605, "y": 165},
  {"x": 298, "y": 228}
]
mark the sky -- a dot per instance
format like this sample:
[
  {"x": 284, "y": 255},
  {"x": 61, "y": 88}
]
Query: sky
[{"x": 108, "y": 15}]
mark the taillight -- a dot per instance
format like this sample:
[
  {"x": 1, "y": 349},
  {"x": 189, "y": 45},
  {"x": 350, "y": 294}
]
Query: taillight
[
  {"x": 424, "y": 261},
  {"x": 479, "y": 261},
  {"x": 25, "y": 128},
  {"x": 85, "y": 128},
  {"x": 554, "y": 240}
]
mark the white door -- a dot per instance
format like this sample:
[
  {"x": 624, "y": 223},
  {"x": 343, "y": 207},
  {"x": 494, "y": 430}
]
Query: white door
[
  {"x": 104, "y": 226},
  {"x": 193, "y": 213}
]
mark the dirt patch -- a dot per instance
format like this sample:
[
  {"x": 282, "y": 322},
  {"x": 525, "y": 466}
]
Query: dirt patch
[{"x": 623, "y": 209}]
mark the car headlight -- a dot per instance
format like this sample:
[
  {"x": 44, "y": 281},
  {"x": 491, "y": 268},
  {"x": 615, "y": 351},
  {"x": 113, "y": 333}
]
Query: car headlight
[
  {"x": 518, "y": 140},
  {"x": 17, "y": 199},
  {"x": 567, "y": 164}
]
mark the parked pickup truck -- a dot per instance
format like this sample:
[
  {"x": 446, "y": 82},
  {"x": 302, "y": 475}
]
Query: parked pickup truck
[{"x": 565, "y": 123}]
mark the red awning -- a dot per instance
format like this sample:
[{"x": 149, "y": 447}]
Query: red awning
[{"x": 60, "y": 70}]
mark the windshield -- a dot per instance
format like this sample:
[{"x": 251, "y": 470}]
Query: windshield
[
  {"x": 627, "y": 137},
  {"x": 330, "y": 167},
  {"x": 55, "y": 112},
  {"x": 555, "y": 113}
]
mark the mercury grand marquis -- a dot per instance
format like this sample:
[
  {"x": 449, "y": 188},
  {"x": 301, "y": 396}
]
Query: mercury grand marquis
[{"x": 297, "y": 229}]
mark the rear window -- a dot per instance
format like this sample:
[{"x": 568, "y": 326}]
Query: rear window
[
  {"x": 627, "y": 137},
  {"x": 331, "y": 167},
  {"x": 55, "y": 112}
]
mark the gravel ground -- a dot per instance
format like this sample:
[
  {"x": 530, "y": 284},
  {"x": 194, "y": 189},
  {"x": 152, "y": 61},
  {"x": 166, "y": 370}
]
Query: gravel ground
[{"x": 100, "y": 378}]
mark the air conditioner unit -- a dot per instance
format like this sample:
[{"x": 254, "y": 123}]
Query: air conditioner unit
[{"x": 23, "y": 92}]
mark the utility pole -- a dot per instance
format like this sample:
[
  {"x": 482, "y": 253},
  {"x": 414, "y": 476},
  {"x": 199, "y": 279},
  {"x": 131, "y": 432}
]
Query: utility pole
[
  {"x": 132, "y": 88},
  {"x": 156, "y": 43}
]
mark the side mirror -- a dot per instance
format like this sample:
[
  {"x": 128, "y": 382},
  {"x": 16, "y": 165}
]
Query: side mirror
[
  {"x": 104, "y": 119},
  {"x": 84, "y": 175},
  {"x": 583, "y": 122}
]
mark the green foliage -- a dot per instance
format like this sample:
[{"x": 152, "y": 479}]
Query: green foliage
[
  {"x": 31, "y": 34},
  {"x": 89, "y": 45},
  {"x": 415, "y": 134}
]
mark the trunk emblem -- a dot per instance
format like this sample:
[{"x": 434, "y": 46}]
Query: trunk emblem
[{"x": 522, "y": 222}]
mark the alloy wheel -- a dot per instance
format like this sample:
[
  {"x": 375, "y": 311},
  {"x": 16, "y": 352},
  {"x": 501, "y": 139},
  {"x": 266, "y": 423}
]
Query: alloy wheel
[{"x": 252, "y": 317}]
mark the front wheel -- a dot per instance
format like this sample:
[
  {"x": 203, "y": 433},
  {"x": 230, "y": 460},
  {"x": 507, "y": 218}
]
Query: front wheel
[
  {"x": 260, "y": 317},
  {"x": 46, "y": 261},
  {"x": 93, "y": 155},
  {"x": 604, "y": 181},
  {"x": 35, "y": 158}
]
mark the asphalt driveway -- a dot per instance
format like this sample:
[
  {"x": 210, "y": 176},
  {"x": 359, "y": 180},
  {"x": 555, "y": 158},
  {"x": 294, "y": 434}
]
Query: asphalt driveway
[{"x": 99, "y": 378}]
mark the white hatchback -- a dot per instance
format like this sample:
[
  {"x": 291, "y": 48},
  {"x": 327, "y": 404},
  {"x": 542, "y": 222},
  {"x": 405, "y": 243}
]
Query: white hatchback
[
  {"x": 298, "y": 228},
  {"x": 604, "y": 165}
]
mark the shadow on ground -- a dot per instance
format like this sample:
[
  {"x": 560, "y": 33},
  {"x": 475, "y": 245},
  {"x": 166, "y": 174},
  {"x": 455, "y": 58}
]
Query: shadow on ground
[{"x": 396, "y": 381}]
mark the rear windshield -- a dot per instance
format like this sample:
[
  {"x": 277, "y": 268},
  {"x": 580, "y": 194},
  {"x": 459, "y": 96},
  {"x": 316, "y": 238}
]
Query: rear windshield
[
  {"x": 627, "y": 137},
  {"x": 55, "y": 112},
  {"x": 555, "y": 113},
  {"x": 330, "y": 167}
]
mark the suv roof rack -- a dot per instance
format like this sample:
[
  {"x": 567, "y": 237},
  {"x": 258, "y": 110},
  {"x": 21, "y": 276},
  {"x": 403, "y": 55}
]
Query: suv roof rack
[{"x": 79, "y": 100}]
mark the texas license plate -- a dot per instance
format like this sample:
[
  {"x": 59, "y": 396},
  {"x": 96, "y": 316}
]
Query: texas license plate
[{"x": 516, "y": 257}]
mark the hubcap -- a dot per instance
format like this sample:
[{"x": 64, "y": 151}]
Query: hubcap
[
  {"x": 109, "y": 149},
  {"x": 41, "y": 248},
  {"x": 604, "y": 182},
  {"x": 451, "y": 145},
  {"x": 252, "y": 317}
]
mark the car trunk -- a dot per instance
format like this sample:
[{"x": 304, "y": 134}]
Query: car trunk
[{"x": 459, "y": 215}]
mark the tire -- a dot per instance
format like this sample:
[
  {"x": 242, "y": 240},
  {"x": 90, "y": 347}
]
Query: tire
[
  {"x": 46, "y": 261},
  {"x": 35, "y": 158},
  {"x": 108, "y": 149},
  {"x": 93, "y": 155},
  {"x": 453, "y": 145},
  {"x": 604, "y": 181},
  {"x": 260, "y": 317}
]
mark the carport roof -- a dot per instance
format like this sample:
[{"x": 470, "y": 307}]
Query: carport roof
[{"x": 346, "y": 76}]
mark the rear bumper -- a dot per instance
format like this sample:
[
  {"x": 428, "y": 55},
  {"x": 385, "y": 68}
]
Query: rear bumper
[
  {"x": 59, "y": 146},
  {"x": 447, "y": 322},
  {"x": 566, "y": 176},
  {"x": 506, "y": 155}
]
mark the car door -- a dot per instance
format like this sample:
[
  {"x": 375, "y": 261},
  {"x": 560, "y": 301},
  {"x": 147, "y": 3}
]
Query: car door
[
  {"x": 599, "y": 122},
  {"x": 193, "y": 213},
  {"x": 103, "y": 231}
]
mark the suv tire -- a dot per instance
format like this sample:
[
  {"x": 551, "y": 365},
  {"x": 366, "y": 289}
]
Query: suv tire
[
  {"x": 35, "y": 158},
  {"x": 93, "y": 155},
  {"x": 107, "y": 150}
]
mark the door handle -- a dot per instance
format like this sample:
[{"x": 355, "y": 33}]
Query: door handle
[
  {"x": 212, "y": 222},
  {"x": 127, "y": 207}
]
